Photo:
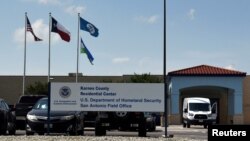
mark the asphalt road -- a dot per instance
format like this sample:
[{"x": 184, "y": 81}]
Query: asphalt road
[{"x": 192, "y": 133}]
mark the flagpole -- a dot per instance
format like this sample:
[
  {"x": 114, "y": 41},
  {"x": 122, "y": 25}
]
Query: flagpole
[
  {"x": 49, "y": 48},
  {"x": 24, "y": 62},
  {"x": 164, "y": 69},
  {"x": 77, "y": 60}
]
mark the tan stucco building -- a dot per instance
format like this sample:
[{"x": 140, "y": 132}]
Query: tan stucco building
[
  {"x": 230, "y": 110},
  {"x": 246, "y": 99}
]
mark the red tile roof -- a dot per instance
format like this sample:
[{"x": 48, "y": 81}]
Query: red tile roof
[{"x": 205, "y": 70}]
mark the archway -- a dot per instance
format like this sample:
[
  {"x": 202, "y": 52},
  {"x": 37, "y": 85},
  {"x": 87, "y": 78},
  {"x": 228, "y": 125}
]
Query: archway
[{"x": 214, "y": 93}]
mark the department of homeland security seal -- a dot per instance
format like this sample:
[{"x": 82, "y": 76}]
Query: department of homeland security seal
[{"x": 65, "y": 92}]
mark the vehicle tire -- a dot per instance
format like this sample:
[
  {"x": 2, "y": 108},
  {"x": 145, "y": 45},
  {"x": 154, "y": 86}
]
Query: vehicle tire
[
  {"x": 142, "y": 131},
  {"x": 73, "y": 132},
  {"x": 81, "y": 131},
  {"x": 99, "y": 130},
  {"x": 3, "y": 132},
  {"x": 152, "y": 126},
  {"x": 11, "y": 128},
  {"x": 12, "y": 131},
  {"x": 188, "y": 125},
  {"x": 184, "y": 125}
]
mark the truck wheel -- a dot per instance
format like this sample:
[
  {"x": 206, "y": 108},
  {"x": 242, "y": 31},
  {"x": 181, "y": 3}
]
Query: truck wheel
[
  {"x": 184, "y": 125},
  {"x": 152, "y": 127},
  {"x": 11, "y": 128},
  {"x": 12, "y": 132},
  {"x": 81, "y": 131},
  {"x": 188, "y": 125},
  {"x": 73, "y": 131}
]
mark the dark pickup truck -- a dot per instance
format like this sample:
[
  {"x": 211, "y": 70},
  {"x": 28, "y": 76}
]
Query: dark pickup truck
[
  {"x": 23, "y": 106},
  {"x": 103, "y": 121}
]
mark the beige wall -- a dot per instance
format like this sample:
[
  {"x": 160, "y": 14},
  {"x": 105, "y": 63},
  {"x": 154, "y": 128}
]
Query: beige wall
[
  {"x": 246, "y": 100},
  {"x": 11, "y": 86},
  {"x": 11, "y": 89}
]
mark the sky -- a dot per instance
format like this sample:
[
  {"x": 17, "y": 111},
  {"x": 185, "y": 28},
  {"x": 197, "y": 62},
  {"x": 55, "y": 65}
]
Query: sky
[{"x": 130, "y": 40}]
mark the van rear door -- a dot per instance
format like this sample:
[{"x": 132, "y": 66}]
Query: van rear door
[{"x": 214, "y": 110}]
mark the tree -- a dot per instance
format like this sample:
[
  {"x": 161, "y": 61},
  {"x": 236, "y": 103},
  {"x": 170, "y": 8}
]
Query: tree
[
  {"x": 38, "y": 88},
  {"x": 144, "y": 78}
]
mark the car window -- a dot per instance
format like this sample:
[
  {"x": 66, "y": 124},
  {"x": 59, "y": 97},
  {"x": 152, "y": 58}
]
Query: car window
[
  {"x": 41, "y": 104},
  {"x": 1, "y": 105},
  {"x": 6, "y": 105}
]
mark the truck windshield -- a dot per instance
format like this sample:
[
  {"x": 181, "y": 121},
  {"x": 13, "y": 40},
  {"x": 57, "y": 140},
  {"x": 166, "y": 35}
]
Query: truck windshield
[{"x": 199, "y": 107}]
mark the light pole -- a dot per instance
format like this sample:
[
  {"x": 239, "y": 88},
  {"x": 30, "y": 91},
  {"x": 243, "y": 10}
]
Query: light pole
[{"x": 164, "y": 73}]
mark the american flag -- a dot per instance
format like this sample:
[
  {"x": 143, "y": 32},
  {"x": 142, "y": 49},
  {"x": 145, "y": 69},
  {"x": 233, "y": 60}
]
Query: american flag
[{"x": 29, "y": 28}]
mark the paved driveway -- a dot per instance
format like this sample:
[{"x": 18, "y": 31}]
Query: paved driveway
[{"x": 194, "y": 132}]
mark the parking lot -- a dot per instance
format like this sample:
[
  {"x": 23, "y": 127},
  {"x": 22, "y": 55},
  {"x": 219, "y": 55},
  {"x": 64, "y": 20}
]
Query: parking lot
[{"x": 179, "y": 133}]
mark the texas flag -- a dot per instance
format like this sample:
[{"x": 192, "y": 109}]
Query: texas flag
[{"x": 62, "y": 31}]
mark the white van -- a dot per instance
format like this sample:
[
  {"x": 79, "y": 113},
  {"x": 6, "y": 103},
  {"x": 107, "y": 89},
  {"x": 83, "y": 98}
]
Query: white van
[{"x": 198, "y": 111}]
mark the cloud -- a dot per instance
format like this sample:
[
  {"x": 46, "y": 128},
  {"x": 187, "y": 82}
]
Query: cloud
[
  {"x": 230, "y": 67},
  {"x": 65, "y": 5},
  {"x": 45, "y": 2},
  {"x": 40, "y": 29},
  {"x": 120, "y": 60},
  {"x": 75, "y": 9},
  {"x": 150, "y": 20},
  {"x": 191, "y": 14}
]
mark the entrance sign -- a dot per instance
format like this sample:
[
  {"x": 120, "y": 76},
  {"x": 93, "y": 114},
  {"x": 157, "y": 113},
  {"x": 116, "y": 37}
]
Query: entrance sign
[{"x": 141, "y": 97}]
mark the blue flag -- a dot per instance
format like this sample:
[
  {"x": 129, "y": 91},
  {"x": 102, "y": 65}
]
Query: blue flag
[
  {"x": 89, "y": 27},
  {"x": 85, "y": 50}
]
